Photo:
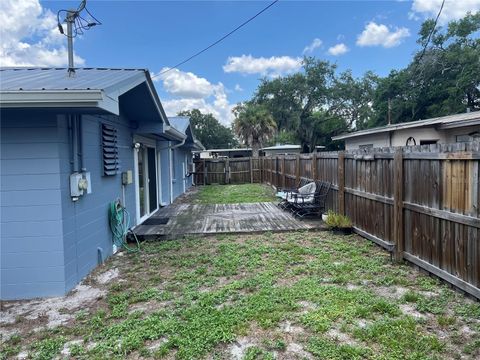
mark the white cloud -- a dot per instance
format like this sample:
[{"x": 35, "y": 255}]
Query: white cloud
[
  {"x": 316, "y": 43},
  {"x": 273, "y": 66},
  {"x": 380, "y": 35},
  {"x": 185, "y": 84},
  {"x": 238, "y": 87},
  {"x": 452, "y": 10},
  {"x": 30, "y": 37},
  {"x": 338, "y": 49},
  {"x": 190, "y": 91}
]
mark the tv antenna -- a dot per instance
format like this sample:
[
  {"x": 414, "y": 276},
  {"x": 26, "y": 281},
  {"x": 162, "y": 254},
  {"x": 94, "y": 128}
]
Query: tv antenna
[{"x": 76, "y": 24}]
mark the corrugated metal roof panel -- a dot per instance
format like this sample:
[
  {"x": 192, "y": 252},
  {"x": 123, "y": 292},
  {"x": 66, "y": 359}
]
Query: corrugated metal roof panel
[{"x": 14, "y": 79}]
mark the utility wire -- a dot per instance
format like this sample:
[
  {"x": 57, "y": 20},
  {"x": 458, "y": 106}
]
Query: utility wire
[
  {"x": 430, "y": 35},
  {"x": 219, "y": 40}
]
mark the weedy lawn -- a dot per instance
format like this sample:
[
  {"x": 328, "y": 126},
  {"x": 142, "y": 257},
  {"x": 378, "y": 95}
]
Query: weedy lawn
[
  {"x": 234, "y": 194},
  {"x": 272, "y": 296}
]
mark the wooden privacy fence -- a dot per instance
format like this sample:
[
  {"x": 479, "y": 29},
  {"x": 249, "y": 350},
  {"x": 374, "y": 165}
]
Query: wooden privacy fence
[
  {"x": 421, "y": 203},
  {"x": 227, "y": 171}
]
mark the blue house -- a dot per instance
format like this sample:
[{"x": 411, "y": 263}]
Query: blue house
[{"x": 70, "y": 145}]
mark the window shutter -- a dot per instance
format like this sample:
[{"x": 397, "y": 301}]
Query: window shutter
[{"x": 111, "y": 162}]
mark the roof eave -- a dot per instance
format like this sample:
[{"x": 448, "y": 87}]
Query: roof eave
[
  {"x": 173, "y": 134},
  {"x": 59, "y": 99},
  {"x": 154, "y": 94}
]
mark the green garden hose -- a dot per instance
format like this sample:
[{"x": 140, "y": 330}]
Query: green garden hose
[{"x": 119, "y": 219}]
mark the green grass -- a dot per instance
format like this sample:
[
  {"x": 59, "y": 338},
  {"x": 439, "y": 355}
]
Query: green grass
[
  {"x": 201, "y": 295},
  {"x": 233, "y": 194}
]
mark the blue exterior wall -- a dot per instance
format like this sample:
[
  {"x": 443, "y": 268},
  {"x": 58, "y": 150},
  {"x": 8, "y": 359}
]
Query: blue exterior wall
[
  {"x": 85, "y": 222},
  {"x": 31, "y": 245},
  {"x": 180, "y": 158},
  {"x": 48, "y": 242},
  {"x": 163, "y": 154}
]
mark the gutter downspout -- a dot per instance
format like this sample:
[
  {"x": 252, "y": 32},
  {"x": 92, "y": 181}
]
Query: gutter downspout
[
  {"x": 81, "y": 144},
  {"x": 75, "y": 144}
]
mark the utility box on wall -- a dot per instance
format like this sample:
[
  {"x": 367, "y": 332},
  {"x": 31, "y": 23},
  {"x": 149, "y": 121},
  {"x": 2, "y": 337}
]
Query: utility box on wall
[
  {"x": 80, "y": 184},
  {"x": 127, "y": 177}
]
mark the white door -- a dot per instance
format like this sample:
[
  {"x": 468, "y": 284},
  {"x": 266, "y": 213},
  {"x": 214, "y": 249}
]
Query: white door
[{"x": 146, "y": 182}]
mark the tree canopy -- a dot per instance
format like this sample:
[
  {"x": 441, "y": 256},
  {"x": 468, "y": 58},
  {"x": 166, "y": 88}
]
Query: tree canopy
[
  {"x": 254, "y": 125},
  {"x": 318, "y": 102},
  {"x": 209, "y": 131}
]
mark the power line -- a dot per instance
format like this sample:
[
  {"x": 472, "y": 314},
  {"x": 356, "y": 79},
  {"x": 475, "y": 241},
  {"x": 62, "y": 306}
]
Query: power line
[
  {"x": 431, "y": 34},
  {"x": 219, "y": 40}
]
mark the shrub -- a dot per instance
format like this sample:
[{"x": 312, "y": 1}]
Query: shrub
[{"x": 337, "y": 221}]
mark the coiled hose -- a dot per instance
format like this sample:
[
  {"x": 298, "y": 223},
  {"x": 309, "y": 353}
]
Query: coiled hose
[{"x": 119, "y": 219}]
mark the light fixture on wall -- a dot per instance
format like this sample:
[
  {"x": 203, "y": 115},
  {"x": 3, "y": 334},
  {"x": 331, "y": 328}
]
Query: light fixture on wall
[{"x": 137, "y": 145}]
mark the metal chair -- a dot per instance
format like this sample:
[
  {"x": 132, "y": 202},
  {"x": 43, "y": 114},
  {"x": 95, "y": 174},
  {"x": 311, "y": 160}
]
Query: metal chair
[
  {"x": 315, "y": 206},
  {"x": 290, "y": 192}
]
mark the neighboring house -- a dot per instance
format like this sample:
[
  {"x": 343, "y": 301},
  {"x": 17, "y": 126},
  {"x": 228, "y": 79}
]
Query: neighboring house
[
  {"x": 442, "y": 130},
  {"x": 101, "y": 130},
  {"x": 223, "y": 153},
  {"x": 280, "y": 150}
]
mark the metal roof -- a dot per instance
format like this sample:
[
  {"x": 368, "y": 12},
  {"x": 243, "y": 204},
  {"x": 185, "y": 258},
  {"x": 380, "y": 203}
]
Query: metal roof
[
  {"x": 465, "y": 119},
  {"x": 226, "y": 150},
  {"x": 12, "y": 79},
  {"x": 98, "y": 88},
  {"x": 180, "y": 123},
  {"x": 282, "y": 147}
]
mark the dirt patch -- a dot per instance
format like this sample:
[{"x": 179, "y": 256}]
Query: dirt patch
[
  {"x": 341, "y": 337},
  {"x": 66, "y": 348},
  {"x": 148, "y": 307},
  {"x": 362, "y": 324},
  {"x": 392, "y": 292},
  {"x": 288, "y": 281},
  {"x": 238, "y": 348},
  {"x": 307, "y": 306},
  {"x": 289, "y": 328},
  {"x": 410, "y": 310},
  {"x": 297, "y": 352},
  {"x": 352, "y": 287},
  {"x": 58, "y": 310},
  {"x": 107, "y": 276},
  {"x": 155, "y": 344}
]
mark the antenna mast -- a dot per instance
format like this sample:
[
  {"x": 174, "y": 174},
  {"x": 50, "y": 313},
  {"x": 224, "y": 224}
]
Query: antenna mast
[
  {"x": 70, "y": 21},
  {"x": 75, "y": 26}
]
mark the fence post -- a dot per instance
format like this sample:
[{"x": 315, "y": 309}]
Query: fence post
[
  {"x": 262, "y": 169},
  {"x": 251, "y": 170},
  {"x": 284, "y": 178},
  {"x": 314, "y": 166},
  {"x": 227, "y": 171},
  {"x": 398, "y": 204},
  {"x": 204, "y": 172},
  {"x": 341, "y": 182},
  {"x": 276, "y": 171},
  {"x": 297, "y": 170}
]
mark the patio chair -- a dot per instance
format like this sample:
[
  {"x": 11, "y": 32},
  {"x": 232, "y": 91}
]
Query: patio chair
[
  {"x": 284, "y": 193},
  {"x": 303, "y": 205},
  {"x": 307, "y": 187}
]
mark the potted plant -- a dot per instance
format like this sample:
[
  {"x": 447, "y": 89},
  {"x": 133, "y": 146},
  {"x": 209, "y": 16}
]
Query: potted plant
[{"x": 338, "y": 224}]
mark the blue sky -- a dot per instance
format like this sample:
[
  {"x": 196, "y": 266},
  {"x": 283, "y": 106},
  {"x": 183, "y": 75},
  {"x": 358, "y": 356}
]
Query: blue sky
[{"x": 358, "y": 35}]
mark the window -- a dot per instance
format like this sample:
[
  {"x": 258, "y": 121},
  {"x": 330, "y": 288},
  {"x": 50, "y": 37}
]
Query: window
[
  {"x": 468, "y": 137},
  {"x": 428, "y": 142},
  {"x": 366, "y": 146},
  {"x": 111, "y": 162}
]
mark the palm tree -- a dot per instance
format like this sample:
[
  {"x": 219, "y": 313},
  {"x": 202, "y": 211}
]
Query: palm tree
[{"x": 254, "y": 125}]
